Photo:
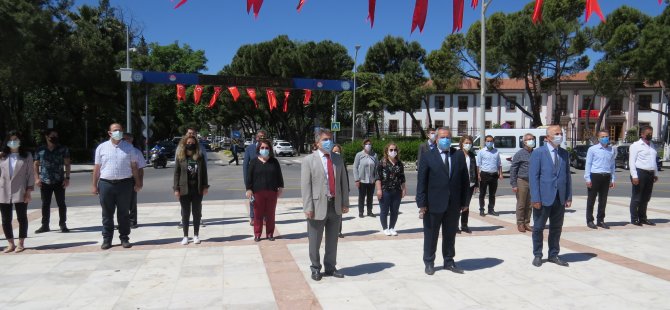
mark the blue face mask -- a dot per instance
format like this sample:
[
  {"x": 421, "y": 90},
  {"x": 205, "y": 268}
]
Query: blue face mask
[
  {"x": 327, "y": 145},
  {"x": 489, "y": 145},
  {"x": 605, "y": 140},
  {"x": 13, "y": 144},
  {"x": 444, "y": 143},
  {"x": 264, "y": 152}
]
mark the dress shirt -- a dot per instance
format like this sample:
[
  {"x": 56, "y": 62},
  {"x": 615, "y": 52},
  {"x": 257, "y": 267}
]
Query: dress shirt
[
  {"x": 600, "y": 159},
  {"x": 431, "y": 145},
  {"x": 488, "y": 160},
  {"x": 139, "y": 157},
  {"x": 552, "y": 154},
  {"x": 13, "y": 158},
  {"x": 642, "y": 156},
  {"x": 114, "y": 160}
]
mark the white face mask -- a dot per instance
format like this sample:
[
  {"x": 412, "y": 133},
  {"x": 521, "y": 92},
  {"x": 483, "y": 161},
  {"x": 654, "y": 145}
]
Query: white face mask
[
  {"x": 530, "y": 143},
  {"x": 557, "y": 140},
  {"x": 117, "y": 135},
  {"x": 393, "y": 154},
  {"x": 368, "y": 147},
  {"x": 432, "y": 137},
  {"x": 467, "y": 147}
]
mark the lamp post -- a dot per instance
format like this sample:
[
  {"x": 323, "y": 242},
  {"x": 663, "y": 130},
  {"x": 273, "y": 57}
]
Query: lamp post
[
  {"x": 482, "y": 74},
  {"x": 128, "y": 118},
  {"x": 353, "y": 112}
]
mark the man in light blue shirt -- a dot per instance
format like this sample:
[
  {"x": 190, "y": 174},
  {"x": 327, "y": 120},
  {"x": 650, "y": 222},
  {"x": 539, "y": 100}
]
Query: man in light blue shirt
[
  {"x": 599, "y": 175},
  {"x": 489, "y": 167}
]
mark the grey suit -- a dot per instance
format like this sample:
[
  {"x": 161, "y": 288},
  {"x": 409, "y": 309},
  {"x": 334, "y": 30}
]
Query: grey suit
[{"x": 327, "y": 212}]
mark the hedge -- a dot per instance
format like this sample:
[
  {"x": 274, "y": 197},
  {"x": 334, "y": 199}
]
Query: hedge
[{"x": 407, "y": 149}]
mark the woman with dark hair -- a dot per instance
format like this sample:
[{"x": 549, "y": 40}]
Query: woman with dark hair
[
  {"x": 265, "y": 184},
  {"x": 16, "y": 177},
  {"x": 190, "y": 184},
  {"x": 390, "y": 180},
  {"x": 365, "y": 164},
  {"x": 470, "y": 160}
]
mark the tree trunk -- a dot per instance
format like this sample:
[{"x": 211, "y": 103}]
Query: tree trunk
[{"x": 415, "y": 121}]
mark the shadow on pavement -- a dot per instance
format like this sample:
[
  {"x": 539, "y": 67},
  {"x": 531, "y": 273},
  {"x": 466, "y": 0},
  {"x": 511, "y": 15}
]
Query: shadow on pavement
[
  {"x": 410, "y": 231},
  {"x": 578, "y": 257},
  {"x": 59, "y": 246},
  {"x": 158, "y": 241},
  {"x": 371, "y": 268},
  {"x": 229, "y": 238},
  {"x": 294, "y": 236},
  {"x": 479, "y": 263},
  {"x": 293, "y": 221},
  {"x": 486, "y": 228},
  {"x": 361, "y": 233}
]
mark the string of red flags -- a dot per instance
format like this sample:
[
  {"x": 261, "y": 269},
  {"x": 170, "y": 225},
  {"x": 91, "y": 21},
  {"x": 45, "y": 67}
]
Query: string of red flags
[
  {"x": 252, "y": 94},
  {"x": 300, "y": 4},
  {"x": 474, "y": 4},
  {"x": 286, "y": 94},
  {"x": 272, "y": 99},
  {"x": 212, "y": 101},
  {"x": 181, "y": 93},
  {"x": 371, "y": 12},
  {"x": 234, "y": 92},
  {"x": 458, "y": 15},
  {"x": 591, "y": 7},
  {"x": 197, "y": 92},
  {"x": 254, "y": 5},
  {"x": 308, "y": 95},
  {"x": 180, "y": 3},
  {"x": 420, "y": 13}
]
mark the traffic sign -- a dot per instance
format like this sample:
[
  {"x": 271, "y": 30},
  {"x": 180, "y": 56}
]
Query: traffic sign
[{"x": 335, "y": 126}]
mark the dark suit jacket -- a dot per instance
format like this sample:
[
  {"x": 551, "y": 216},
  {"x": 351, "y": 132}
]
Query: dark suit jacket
[
  {"x": 423, "y": 147},
  {"x": 249, "y": 155},
  {"x": 545, "y": 181},
  {"x": 435, "y": 189}
]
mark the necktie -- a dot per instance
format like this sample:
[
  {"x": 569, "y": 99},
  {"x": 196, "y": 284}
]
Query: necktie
[
  {"x": 555, "y": 159},
  {"x": 331, "y": 175},
  {"x": 446, "y": 163}
]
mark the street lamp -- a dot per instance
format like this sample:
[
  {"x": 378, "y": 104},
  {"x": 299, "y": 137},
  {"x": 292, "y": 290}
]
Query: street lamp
[
  {"x": 128, "y": 112},
  {"x": 353, "y": 112},
  {"x": 482, "y": 75}
]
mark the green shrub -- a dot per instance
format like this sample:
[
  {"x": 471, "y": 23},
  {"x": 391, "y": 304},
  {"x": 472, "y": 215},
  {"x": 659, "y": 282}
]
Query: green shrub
[{"x": 408, "y": 149}]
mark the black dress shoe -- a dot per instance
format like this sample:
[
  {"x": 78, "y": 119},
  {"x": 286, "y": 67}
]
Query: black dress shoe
[
  {"x": 430, "y": 269},
  {"x": 537, "y": 261},
  {"x": 591, "y": 225},
  {"x": 361, "y": 215},
  {"x": 466, "y": 229},
  {"x": 556, "y": 260},
  {"x": 126, "y": 244},
  {"x": 341, "y": 235},
  {"x": 106, "y": 245},
  {"x": 271, "y": 238},
  {"x": 451, "y": 266},
  {"x": 370, "y": 214},
  {"x": 334, "y": 273},
  {"x": 42, "y": 229},
  {"x": 481, "y": 213},
  {"x": 64, "y": 229},
  {"x": 603, "y": 225},
  {"x": 316, "y": 276},
  {"x": 647, "y": 222},
  {"x": 494, "y": 213},
  {"x": 636, "y": 223},
  {"x": 257, "y": 239}
]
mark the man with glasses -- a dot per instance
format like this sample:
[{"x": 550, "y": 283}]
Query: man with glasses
[
  {"x": 599, "y": 173},
  {"x": 52, "y": 179}
]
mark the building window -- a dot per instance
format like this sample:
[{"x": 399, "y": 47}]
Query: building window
[
  {"x": 439, "y": 124},
  {"x": 462, "y": 128},
  {"x": 644, "y": 102},
  {"x": 462, "y": 103},
  {"x": 416, "y": 127},
  {"x": 586, "y": 102},
  {"x": 563, "y": 105},
  {"x": 439, "y": 103},
  {"x": 487, "y": 124},
  {"x": 488, "y": 103},
  {"x": 616, "y": 106},
  {"x": 393, "y": 126},
  {"x": 511, "y": 103}
]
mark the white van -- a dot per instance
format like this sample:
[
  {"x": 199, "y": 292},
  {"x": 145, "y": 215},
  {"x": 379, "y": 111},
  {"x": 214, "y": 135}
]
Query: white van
[{"x": 509, "y": 141}]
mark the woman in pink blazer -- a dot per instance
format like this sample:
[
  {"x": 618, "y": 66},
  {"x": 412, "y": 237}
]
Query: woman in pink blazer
[{"x": 16, "y": 183}]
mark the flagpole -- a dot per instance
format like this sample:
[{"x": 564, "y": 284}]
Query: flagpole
[
  {"x": 482, "y": 76},
  {"x": 353, "y": 112},
  {"x": 128, "y": 118}
]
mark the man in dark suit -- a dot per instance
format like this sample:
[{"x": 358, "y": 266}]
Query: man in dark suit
[
  {"x": 550, "y": 193},
  {"x": 441, "y": 192},
  {"x": 427, "y": 146},
  {"x": 249, "y": 154}
]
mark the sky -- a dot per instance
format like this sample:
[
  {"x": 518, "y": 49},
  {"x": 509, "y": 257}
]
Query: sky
[{"x": 220, "y": 27}]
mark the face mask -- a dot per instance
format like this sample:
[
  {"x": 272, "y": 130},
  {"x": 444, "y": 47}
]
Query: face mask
[
  {"x": 393, "y": 154},
  {"x": 432, "y": 137},
  {"x": 444, "y": 143},
  {"x": 368, "y": 147},
  {"x": 557, "y": 140},
  {"x": 265, "y": 153},
  {"x": 489, "y": 145},
  {"x": 467, "y": 146},
  {"x": 13, "y": 144},
  {"x": 648, "y": 137},
  {"x": 53, "y": 140},
  {"x": 605, "y": 140},
  {"x": 530, "y": 143},
  {"x": 190, "y": 147},
  {"x": 117, "y": 135},
  {"x": 327, "y": 145},
  {"x": 338, "y": 152}
]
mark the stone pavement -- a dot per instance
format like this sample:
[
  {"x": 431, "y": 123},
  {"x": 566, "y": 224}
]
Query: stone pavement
[{"x": 625, "y": 267}]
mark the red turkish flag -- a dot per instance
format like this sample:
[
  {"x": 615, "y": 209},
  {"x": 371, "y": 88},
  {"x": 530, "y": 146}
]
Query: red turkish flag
[
  {"x": 252, "y": 94},
  {"x": 256, "y": 5},
  {"x": 272, "y": 99},
  {"x": 591, "y": 7},
  {"x": 300, "y": 4},
  {"x": 420, "y": 12},
  {"x": 474, "y": 3},
  {"x": 197, "y": 92},
  {"x": 181, "y": 92},
  {"x": 286, "y": 94},
  {"x": 217, "y": 92},
  {"x": 308, "y": 94},
  {"x": 371, "y": 12},
  {"x": 233, "y": 91},
  {"x": 180, "y": 3},
  {"x": 537, "y": 12},
  {"x": 458, "y": 15}
]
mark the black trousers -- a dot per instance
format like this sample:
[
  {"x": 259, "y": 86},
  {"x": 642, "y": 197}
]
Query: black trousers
[
  {"x": 21, "y": 216},
  {"x": 235, "y": 159},
  {"x": 46, "y": 191},
  {"x": 489, "y": 181},
  {"x": 365, "y": 192},
  {"x": 641, "y": 195},
  {"x": 132, "y": 212},
  {"x": 191, "y": 203},
  {"x": 432, "y": 223},
  {"x": 600, "y": 186},
  {"x": 466, "y": 214},
  {"x": 115, "y": 197}
]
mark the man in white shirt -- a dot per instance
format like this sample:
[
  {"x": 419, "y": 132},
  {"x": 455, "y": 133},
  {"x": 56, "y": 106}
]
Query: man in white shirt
[{"x": 643, "y": 175}]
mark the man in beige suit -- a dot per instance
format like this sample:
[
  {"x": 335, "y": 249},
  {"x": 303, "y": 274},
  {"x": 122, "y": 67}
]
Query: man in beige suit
[{"x": 325, "y": 196}]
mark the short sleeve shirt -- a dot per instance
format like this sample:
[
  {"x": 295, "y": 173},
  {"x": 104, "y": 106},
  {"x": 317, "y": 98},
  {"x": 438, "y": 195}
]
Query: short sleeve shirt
[
  {"x": 52, "y": 163},
  {"x": 115, "y": 160}
]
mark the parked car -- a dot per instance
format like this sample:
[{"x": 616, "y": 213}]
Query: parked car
[
  {"x": 621, "y": 158},
  {"x": 578, "y": 156},
  {"x": 283, "y": 148}
]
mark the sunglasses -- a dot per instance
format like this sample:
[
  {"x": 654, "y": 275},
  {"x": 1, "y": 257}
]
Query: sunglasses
[
  {"x": 264, "y": 148},
  {"x": 393, "y": 149}
]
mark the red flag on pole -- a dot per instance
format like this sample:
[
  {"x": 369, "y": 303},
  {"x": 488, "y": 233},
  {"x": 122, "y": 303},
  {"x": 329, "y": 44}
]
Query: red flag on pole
[
  {"x": 197, "y": 92},
  {"x": 250, "y": 3},
  {"x": 300, "y": 4},
  {"x": 217, "y": 92},
  {"x": 252, "y": 94},
  {"x": 591, "y": 7},
  {"x": 233, "y": 91},
  {"x": 256, "y": 5},
  {"x": 272, "y": 99},
  {"x": 181, "y": 92},
  {"x": 371, "y": 12},
  {"x": 458, "y": 15},
  {"x": 180, "y": 3},
  {"x": 420, "y": 12},
  {"x": 308, "y": 95},
  {"x": 286, "y": 94},
  {"x": 474, "y": 3},
  {"x": 537, "y": 13}
]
